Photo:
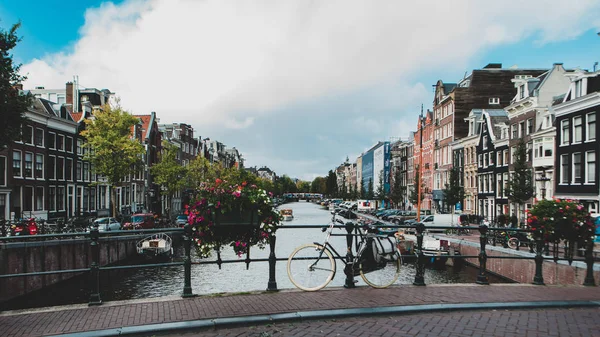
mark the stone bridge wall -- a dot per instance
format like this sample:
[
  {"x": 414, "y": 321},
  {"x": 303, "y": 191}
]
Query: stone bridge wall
[
  {"x": 53, "y": 255},
  {"x": 523, "y": 271}
]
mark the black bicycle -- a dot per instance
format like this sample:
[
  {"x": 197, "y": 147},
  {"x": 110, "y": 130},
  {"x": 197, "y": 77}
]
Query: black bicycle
[{"x": 312, "y": 266}]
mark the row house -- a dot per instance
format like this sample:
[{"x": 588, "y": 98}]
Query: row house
[
  {"x": 399, "y": 152},
  {"x": 266, "y": 173},
  {"x": 182, "y": 136},
  {"x": 467, "y": 147},
  {"x": 577, "y": 147},
  {"x": 423, "y": 154},
  {"x": 531, "y": 120},
  {"x": 492, "y": 163},
  {"x": 234, "y": 158},
  {"x": 359, "y": 174}
]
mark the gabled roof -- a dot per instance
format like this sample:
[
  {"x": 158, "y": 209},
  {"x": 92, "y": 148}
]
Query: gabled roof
[
  {"x": 494, "y": 118},
  {"x": 146, "y": 125},
  {"x": 76, "y": 116}
]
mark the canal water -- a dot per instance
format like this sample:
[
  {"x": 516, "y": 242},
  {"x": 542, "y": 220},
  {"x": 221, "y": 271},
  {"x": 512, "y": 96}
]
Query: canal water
[{"x": 232, "y": 277}]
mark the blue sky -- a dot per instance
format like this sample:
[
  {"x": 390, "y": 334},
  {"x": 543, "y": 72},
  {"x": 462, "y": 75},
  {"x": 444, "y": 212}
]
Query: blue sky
[{"x": 292, "y": 85}]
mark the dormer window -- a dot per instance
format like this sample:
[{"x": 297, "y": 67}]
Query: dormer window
[
  {"x": 578, "y": 88},
  {"x": 522, "y": 91},
  {"x": 494, "y": 100}
]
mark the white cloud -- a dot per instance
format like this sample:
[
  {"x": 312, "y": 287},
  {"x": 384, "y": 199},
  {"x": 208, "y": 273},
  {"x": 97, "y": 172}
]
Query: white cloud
[{"x": 231, "y": 64}]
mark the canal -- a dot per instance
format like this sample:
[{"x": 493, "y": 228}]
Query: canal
[{"x": 232, "y": 277}]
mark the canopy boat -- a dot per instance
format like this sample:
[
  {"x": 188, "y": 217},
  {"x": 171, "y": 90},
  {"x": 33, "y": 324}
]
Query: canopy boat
[
  {"x": 155, "y": 245},
  {"x": 287, "y": 214}
]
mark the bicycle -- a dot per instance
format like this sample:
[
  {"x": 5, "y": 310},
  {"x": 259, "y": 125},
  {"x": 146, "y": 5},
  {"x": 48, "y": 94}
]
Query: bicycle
[
  {"x": 312, "y": 266},
  {"x": 506, "y": 239}
]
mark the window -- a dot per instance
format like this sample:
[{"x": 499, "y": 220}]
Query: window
[
  {"x": 69, "y": 169},
  {"x": 522, "y": 91},
  {"x": 79, "y": 146},
  {"x": 564, "y": 134},
  {"x": 578, "y": 89},
  {"x": 60, "y": 143},
  {"x": 480, "y": 159},
  {"x": 60, "y": 198},
  {"x": 513, "y": 129},
  {"x": 494, "y": 100},
  {"x": 92, "y": 199},
  {"x": 69, "y": 145},
  {"x": 521, "y": 129},
  {"x": 506, "y": 159},
  {"x": 16, "y": 163},
  {"x": 590, "y": 132},
  {"x": 577, "y": 167},
  {"x": 39, "y": 165},
  {"x": 484, "y": 142},
  {"x": 39, "y": 198},
  {"x": 27, "y": 136},
  {"x": 60, "y": 168},
  {"x": 52, "y": 167},
  {"x": 28, "y": 165},
  {"x": 39, "y": 137},
  {"x": 529, "y": 126},
  {"x": 51, "y": 140},
  {"x": 492, "y": 155},
  {"x": 577, "y": 126},
  {"x": 52, "y": 198},
  {"x": 86, "y": 171},
  {"x": 2, "y": 172},
  {"x": 513, "y": 150},
  {"x": 499, "y": 158},
  {"x": 79, "y": 171},
  {"x": 590, "y": 167},
  {"x": 564, "y": 169}
]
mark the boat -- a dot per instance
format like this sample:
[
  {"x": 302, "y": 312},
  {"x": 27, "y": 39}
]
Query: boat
[
  {"x": 286, "y": 214},
  {"x": 155, "y": 245}
]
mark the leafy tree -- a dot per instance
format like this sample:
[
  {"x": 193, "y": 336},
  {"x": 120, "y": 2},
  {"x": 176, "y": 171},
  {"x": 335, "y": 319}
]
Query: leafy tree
[
  {"x": 303, "y": 186},
  {"x": 319, "y": 185},
  {"x": 169, "y": 173},
  {"x": 370, "y": 193},
  {"x": 380, "y": 193},
  {"x": 398, "y": 191},
  {"x": 363, "y": 191},
  {"x": 331, "y": 184},
  {"x": 454, "y": 192},
  {"x": 520, "y": 186},
  {"x": 113, "y": 152},
  {"x": 12, "y": 104},
  {"x": 414, "y": 193}
]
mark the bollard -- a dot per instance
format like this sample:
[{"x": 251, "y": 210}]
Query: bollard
[
  {"x": 187, "y": 261},
  {"x": 589, "y": 260},
  {"x": 419, "y": 276},
  {"x": 95, "y": 267},
  {"x": 272, "y": 285},
  {"x": 349, "y": 268},
  {"x": 538, "y": 279},
  {"x": 482, "y": 278}
]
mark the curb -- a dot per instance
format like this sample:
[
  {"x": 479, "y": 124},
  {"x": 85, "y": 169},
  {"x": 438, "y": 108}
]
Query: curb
[{"x": 224, "y": 322}]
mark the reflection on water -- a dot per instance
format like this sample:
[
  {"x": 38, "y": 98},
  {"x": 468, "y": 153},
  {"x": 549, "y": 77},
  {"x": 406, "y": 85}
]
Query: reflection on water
[{"x": 232, "y": 277}]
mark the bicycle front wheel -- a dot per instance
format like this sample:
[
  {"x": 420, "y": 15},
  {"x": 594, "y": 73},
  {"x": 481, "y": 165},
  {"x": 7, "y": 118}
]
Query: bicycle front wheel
[
  {"x": 311, "y": 267},
  {"x": 379, "y": 274},
  {"x": 513, "y": 243}
]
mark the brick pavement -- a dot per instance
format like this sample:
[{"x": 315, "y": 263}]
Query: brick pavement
[
  {"x": 491, "y": 323},
  {"x": 167, "y": 310}
]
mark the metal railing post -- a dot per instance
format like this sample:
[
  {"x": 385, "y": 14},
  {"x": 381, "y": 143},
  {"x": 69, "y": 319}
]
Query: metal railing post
[
  {"x": 272, "y": 285},
  {"x": 482, "y": 278},
  {"x": 419, "y": 276},
  {"x": 187, "y": 262},
  {"x": 538, "y": 279},
  {"x": 95, "y": 267},
  {"x": 349, "y": 268},
  {"x": 589, "y": 260}
]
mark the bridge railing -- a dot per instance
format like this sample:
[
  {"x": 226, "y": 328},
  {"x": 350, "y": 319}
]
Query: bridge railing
[{"x": 96, "y": 239}]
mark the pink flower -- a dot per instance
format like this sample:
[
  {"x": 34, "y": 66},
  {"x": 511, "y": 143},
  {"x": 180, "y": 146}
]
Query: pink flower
[
  {"x": 237, "y": 194},
  {"x": 218, "y": 205}
]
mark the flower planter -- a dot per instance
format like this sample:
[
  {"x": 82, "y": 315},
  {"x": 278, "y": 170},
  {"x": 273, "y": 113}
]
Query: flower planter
[{"x": 235, "y": 224}]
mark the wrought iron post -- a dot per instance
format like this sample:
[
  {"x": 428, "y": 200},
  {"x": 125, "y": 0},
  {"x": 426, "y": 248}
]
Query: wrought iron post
[
  {"x": 95, "y": 267},
  {"x": 589, "y": 260},
  {"x": 482, "y": 278},
  {"x": 187, "y": 261},
  {"x": 272, "y": 285},
  {"x": 349, "y": 268},
  {"x": 538, "y": 279},
  {"x": 419, "y": 276}
]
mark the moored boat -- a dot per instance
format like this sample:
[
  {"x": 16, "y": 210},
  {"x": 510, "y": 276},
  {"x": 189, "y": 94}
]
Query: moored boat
[
  {"x": 155, "y": 245},
  {"x": 287, "y": 214}
]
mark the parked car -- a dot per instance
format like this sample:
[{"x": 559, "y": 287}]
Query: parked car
[
  {"x": 181, "y": 220},
  {"x": 107, "y": 224},
  {"x": 140, "y": 221}
]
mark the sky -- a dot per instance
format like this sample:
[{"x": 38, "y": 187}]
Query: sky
[{"x": 296, "y": 86}]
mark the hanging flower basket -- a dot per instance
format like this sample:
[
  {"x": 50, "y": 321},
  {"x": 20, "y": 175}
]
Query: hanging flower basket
[
  {"x": 236, "y": 215},
  {"x": 560, "y": 220}
]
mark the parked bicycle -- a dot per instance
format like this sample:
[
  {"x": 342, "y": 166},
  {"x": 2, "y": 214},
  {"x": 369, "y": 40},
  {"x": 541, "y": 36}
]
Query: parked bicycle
[
  {"x": 506, "y": 239},
  {"x": 312, "y": 266}
]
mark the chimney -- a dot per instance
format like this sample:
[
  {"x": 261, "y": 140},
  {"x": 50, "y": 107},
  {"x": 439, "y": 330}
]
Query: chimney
[{"x": 70, "y": 95}]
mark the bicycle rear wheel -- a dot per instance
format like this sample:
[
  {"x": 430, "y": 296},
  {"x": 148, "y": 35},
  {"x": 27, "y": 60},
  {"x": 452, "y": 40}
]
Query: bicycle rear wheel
[
  {"x": 309, "y": 269},
  {"x": 379, "y": 274},
  {"x": 513, "y": 243}
]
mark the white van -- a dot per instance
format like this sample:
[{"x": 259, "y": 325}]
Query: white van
[
  {"x": 365, "y": 205},
  {"x": 442, "y": 220}
]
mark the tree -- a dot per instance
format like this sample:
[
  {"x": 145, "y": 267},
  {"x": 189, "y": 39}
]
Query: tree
[
  {"x": 168, "y": 173},
  {"x": 414, "y": 194},
  {"x": 520, "y": 186},
  {"x": 319, "y": 185},
  {"x": 398, "y": 191},
  {"x": 113, "y": 152},
  {"x": 454, "y": 193},
  {"x": 303, "y": 186},
  {"x": 363, "y": 191},
  {"x": 380, "y": 192},
  {"x": 13, "y": 105},
  {"x": 331, "y": 184},
  {"x": 370, "y": 193}
]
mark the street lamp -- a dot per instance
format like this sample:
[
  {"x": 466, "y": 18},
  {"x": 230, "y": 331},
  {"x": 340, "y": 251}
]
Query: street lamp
[{"x": 543, "y": 179}]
